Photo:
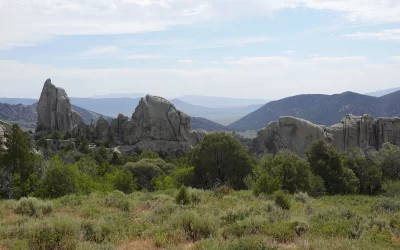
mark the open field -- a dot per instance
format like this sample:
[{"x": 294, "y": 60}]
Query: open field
[{"x": 222, "y": 219}]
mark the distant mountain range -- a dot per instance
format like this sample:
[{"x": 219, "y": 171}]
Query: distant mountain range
[
  {"x": 321, "y": 109},
  {"x": 129, "y": 95},
  {"x": 114, "y": 106},
  {"x": 383, "y": 92},
  {"x": 220, "y": 102}
]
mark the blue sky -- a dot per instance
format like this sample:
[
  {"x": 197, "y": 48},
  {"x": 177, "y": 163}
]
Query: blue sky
[{"x": 263, "y": 49}]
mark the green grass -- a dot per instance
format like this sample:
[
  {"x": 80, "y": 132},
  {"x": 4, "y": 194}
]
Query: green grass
[{"x": 227, "y": 220}]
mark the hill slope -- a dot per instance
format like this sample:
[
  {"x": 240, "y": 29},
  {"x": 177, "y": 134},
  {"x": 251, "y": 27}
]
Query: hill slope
[
  {"x": 220, "y": 102},
  {"x": 383, "y": 92},
  {"x": 321, "y": 109},
  {"x": 26, "y": 115},
  {"x": 223, "y": 116},
  {"x": 207, "y": 125}
]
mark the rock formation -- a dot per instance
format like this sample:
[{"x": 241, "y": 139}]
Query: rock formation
[
  {"x": 54, "y": 110},
  {"x": 158, "y": 126},
  {"x": 102, "y": 129},
  {"x": 116, "y": 127},
  {"x": 155, "y": 125},
  {"x": 297, "y": 135},
  {"x": 4, "y": 128}
]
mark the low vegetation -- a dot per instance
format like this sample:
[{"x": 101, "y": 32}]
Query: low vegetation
[{"x": 216, "y": 197}]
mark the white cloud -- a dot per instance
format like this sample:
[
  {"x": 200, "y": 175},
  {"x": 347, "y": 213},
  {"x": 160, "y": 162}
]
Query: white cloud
[
  {"x": 395, "y": 58},
  {"x": 28, "y": 22},
  {"x": 231, "y": 42},
  {"x": 287, "y": 52},
  {"x": 137, "y": 57},
  {"x": 384, "y": 35},
  {"x": 380, "y": 11},
  {"x": 187, "y": 61},
  {"x": 95, "y": 52},
  {"x": 262, "y": 77}
]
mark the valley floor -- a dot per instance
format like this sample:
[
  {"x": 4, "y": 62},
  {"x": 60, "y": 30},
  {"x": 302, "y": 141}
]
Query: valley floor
[{"x": 214, "y": 220}]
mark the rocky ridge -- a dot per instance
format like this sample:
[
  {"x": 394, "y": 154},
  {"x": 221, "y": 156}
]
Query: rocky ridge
[{"x": 296, "y": 135}]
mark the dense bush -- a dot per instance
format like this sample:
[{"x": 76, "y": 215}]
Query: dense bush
[
  {"x": 124, "y": 182},
  {"x": 183, "y": 196},
  {"x": 266, "y": 184},
  {"x": 146, "y": 170},
  {"x": 59, "y": 180},
  {"x": 33, "y": 207},
  {"x": 292, "y": 171},
  {"x": 326, "y": 161},
  {"x": 59, "y": 233},
  {"x": 282, "y": 200},
  {"x": 220, "y": 158},
  {"x": 369, "y": 175},
  {"x": 388, "y": 160},
  {"x": 196, "y": 227}
]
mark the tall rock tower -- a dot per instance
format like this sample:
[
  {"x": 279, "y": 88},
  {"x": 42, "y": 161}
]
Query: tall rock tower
[{"x": 54, "y": 109}]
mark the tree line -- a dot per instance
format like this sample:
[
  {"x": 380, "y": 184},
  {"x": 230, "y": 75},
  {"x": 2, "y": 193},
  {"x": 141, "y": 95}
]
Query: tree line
[{"x": 218, "y": 161}]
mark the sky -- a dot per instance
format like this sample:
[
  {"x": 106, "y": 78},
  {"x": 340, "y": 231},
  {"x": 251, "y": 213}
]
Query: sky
[{"x": 267, "y": 49}]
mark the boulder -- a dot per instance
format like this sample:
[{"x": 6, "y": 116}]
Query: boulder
[
  {"x": 4, "y": 129},
  {"x": 296, "y": 135},
  {"x": 54, "y": 110}
]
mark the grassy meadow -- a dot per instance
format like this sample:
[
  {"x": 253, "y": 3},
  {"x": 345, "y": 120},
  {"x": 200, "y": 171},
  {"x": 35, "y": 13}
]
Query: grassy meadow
[{"x": 219, "y": 219}]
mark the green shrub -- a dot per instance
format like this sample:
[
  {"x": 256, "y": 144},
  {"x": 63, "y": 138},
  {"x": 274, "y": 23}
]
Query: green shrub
[
  {"x": 145, "y": 170},
  {"x": 248, "y": 226},
  {"x": 60, "y": 179},
  {"x": 71, "y": 200},
  {"x": 317, "y": 186},
  {"x": 387, "y": 205},
  {"x": 196, "y": 227},
  {"x": 147, "y": 154},
  {"x": 98, "y": 233},
  {"x": 183, "y": 176},
  {"x": 33, "y": 207},
  {"x": 302, "y": 197},
  {"x": 183, "y": 196},
  {"x": 222, "y": 191},
  {"x": 233, "y": 216},
  {"x": 124, "y": 182},
  {"x": 163, "y": 183},
  {"x": 282, "y": 200},
  {"x": 118, "y": 200},
  {"x": 391, "y": 188},
  {"x": 265, "y": 184},
  {"x": 292, "y": 171},
  {"x": 220, "y": 158},
  {"x": 337, "y": 223},
  {"x": 248, "y": 243},
  {"x": 58, "y": 233}
]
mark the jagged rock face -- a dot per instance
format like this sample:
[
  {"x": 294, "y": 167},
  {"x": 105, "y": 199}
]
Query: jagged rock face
[
  {"x": 116, "y": 127},
  {"x": 155, "y": 118},
  {"x": 102, "y": 129},
  {"x": 4, "y": 128},
  {"x": 54, "y": 110},
  {"x": 157, "y": 125},
  {"x": 76, "y": 118},
  {"x": 297, "y": 135}
]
